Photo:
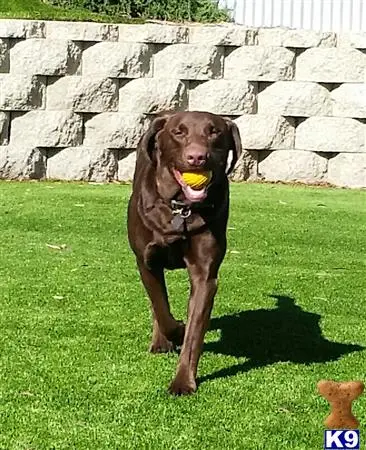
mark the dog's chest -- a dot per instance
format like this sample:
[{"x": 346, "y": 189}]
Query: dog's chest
[{"x": 172, "y": 256}]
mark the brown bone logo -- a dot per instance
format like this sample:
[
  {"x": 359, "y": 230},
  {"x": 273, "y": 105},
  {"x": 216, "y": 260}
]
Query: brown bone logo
[{"x": 340, "y": 397}]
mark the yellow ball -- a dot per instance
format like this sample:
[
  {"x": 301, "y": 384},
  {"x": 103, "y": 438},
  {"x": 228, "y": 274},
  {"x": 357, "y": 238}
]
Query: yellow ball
[{"x": 197, "y": 180}]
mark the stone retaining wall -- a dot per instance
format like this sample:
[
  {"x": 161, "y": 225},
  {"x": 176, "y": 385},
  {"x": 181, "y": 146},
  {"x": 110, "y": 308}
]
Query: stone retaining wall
[{"x": 76, "y": 97}]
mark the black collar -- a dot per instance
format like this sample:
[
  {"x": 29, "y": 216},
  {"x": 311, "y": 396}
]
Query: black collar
[{"x": 181, "y": 211}]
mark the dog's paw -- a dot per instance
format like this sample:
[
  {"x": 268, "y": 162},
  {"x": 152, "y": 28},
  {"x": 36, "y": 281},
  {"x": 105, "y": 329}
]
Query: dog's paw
[
  {"x": 181, "y": 386},
  {"x": 161, "y": 345}
]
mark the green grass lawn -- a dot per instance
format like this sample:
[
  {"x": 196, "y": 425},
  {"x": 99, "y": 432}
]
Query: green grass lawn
[
  {"x": 75, "y": 323},
  {"x": 37, "y": 9}
]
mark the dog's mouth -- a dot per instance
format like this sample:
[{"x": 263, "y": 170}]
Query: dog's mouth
[{"x": 196, "y": 190}]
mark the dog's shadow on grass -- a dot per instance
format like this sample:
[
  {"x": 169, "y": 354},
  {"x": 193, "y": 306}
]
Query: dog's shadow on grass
[{"x": 267, "y": 336}]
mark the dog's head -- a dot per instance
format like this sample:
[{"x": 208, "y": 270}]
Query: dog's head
[{"x": 191, "y": 142}]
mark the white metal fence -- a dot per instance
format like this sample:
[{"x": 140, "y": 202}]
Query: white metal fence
[{"x": 322, "y": 15}]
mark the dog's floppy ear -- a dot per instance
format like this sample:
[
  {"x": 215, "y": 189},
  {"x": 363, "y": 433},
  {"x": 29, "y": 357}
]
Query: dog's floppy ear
[
  {"x": 147, "y": 142},
  {"x": 235, "y": 144}
]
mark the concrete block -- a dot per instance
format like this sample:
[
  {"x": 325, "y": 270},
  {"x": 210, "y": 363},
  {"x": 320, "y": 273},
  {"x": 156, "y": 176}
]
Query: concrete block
[
  {"x": 246, "y": 168},
  {"x": 22, "y": 29},
  {"x": 117, "y": 60},
  {"x": 256, "y": 63},
  {"x": 126, "y": 166},
  {"x": 223, "y": 34},
  {"x": 265, "y": 132},
  {"x": 47, "y": 129},
  {"x": 152, "y": 95},
  {"x": 295, "y": 38},
  {"x": 348, "y": 170},
  {"x": 155, "y": 33},
  {"x": 331, "y": 134},
  {"x": 45, "y": 57},
  {"x": 295, "y": 98},
  {"x": 81, "y": 31},
  {"x": 231, "y": 97},
  {"x": 83, "y": 94},
  {"x": 189, "y": 62},
  {"x": 22, "y": 92},
  {"x": 82, "y": 163},
  {"x": 293, "y": 165},
  {"x": 331, "y": 65},
  {"x": 115, "y": 130},
  {"x": 22, "y": 162},
  {"x": 349, "y": 100}
]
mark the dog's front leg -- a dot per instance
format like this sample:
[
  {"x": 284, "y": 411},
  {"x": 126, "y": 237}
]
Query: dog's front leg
[
  {"x": 203, "y": 290},
  {"x": 167, "y": 332}
]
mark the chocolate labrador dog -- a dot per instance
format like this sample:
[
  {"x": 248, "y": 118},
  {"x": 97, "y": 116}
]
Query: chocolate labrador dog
[{"x": 171, "y": 225}]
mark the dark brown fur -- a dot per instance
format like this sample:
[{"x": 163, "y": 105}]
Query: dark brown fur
[{"x": 198, "y": 245}]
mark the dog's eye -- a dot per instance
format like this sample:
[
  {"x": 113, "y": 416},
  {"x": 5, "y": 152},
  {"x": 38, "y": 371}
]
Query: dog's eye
[{"x": 214, "y": 131}]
